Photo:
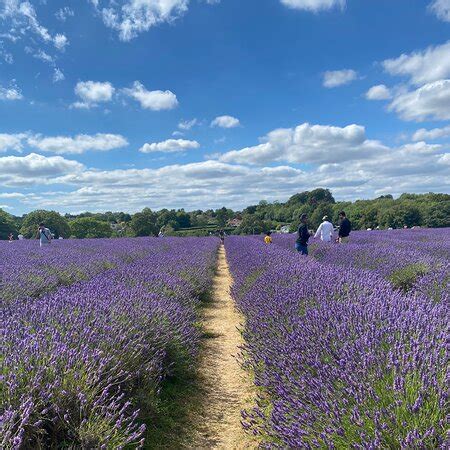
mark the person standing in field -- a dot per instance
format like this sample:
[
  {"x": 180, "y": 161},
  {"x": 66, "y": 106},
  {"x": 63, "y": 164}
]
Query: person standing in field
[
  {"x": 222, "y": 236},
  {"x": 301, "y": 245},
  {"x": 325, "y": 230},
  {"x": 268, "y": 238},
  {"x": 11, "y": 237},
  {"x": 345, "y": 228},
  {"x": 45, "y": 236}
]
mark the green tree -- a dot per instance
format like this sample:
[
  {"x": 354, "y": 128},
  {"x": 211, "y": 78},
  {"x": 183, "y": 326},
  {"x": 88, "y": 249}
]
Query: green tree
[
  {"x": 144, "y": 223},
  {"x": 223, "y": 215},
  {"x": 7, "y": 225},
  {"x": 438, "y": 215},
  {"x": 320, "y": 195},
  {"x": 253, "y": 225},
  {"x": 405, "y": 213},
  {"x": 164, "y": 217},
  {"x": 56, "y": 223},
  {"x": 88, "y": 227},
  {"x": 183, "y": 219}
]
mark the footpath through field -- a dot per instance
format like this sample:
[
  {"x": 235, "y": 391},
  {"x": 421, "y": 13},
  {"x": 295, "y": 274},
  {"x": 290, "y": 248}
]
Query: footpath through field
[{"x": 225, "y": 386}]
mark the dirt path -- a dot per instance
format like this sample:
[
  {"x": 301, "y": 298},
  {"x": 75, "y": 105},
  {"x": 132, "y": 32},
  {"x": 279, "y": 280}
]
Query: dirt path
[{"x": 226, "y": 389}]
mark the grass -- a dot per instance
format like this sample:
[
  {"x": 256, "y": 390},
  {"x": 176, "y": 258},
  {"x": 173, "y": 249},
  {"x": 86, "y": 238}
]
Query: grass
[
  {"x": 405, "y": 278},
  {"x": 179, "y": 397}
]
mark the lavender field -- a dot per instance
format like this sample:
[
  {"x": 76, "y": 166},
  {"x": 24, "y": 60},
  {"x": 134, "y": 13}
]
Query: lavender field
[
  {"x": 347, "y": 346},
  {"x": 89, "y": 330}
]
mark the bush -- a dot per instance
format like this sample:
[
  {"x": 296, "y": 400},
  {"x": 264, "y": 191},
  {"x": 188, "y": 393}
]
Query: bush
[{"x": 406, "y": 277}]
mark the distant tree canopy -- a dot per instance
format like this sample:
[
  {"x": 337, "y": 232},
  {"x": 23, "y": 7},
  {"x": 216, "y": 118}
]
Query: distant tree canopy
[
  {"x": 429, "y": 210},
  {"x": 144, "y": 223},
  {"x": 88, "y": 227},
  {"x": 7, "y": 225},
  {"x": 56, "y": 223}
]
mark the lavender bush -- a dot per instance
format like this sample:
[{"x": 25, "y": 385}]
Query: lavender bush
[
  {"x": 343, "y": 359},
  {"x": 79, "y": 361},
  {"x": 401, "y": 256},
  {"x": 26, "y": 270}
]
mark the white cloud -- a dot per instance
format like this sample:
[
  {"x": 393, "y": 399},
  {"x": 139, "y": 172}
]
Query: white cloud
[
  {"x": 11, "y": 141},
  {"x": 441, "y": 8},
  {"x": 378, "y": 92},
  {"x": 61, "y": 41},
  {"x": 431, "y": 64},
  {"x": 18, "y": 169},
  {"x": 12, "y": 195},
  {"x": 187, "y": 124},
  {"x": 92, "y": 93},
  {"x": 78, "y": 144},
  {"x": 308, "y": 144},
  {"x": 58, "y": 75},
  {"x": 42, "y": 55},
  {"x": 64, "y": 13},
  {"x": 170, "y": 146},
  {"x": 411, "y": 168},
  {"x": 334, "y": 78},
  {"x": 225, "y": 122},
  {"x": 154, "y": 100},
  {"x": 313, "y": 5},
  {"x": 132, "y": 17},
  {"x": 341, "y": 159},
  {"x": 435, "y": 133},
  {"x": 21, "y": 18},
  {"x": 10, "y": 93},
  {"x": 429, "y": 102}
]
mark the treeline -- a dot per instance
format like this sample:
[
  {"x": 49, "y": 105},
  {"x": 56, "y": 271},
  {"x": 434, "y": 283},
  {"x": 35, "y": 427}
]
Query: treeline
[{"x": 426, "y": 210}]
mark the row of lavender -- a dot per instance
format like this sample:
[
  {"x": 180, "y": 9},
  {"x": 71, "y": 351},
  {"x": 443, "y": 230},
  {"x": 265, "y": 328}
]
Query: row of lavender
[
  {"x": 343, "y": 360},
  {"x": 414, "y": 260},
  {"x": 26, "y": 270},
  {"x": 80, "y": 361}
]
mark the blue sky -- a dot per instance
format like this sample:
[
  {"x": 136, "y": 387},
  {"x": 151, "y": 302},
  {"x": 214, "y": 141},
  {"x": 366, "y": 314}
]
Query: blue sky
[{"x": 204, "y": 103}]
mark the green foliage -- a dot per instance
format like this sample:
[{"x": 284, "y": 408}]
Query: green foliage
[
  {"x": 7, "y": 225},
  {"x": 405, "y": 277},
  {"x": 56, "y": 223},
  {"x": 88, "y": 227},
  {"x": 405, "y": 213},
  {"x": 144, "y": 223},
  {"x": 253, "y": 225},
  {"x": 223, "y": 215}
]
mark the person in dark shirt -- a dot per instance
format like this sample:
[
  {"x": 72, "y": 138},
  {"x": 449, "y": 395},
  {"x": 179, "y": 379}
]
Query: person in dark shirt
[
  {"x": 301, "y": 245},
  {"x": 345, "y": 227}
]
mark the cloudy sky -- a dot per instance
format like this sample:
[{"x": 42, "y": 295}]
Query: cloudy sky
[{"x": 118, "y": 105}]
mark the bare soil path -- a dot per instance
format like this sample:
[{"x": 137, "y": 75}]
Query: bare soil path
[{"x": 225, "y": 386}]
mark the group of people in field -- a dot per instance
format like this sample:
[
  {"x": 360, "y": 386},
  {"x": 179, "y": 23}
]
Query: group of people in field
[{"x": 326, "y": 232}]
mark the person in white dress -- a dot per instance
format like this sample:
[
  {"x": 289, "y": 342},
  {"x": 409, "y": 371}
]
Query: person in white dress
[
  {"x": 44, "y": 235},
  {"x": 325, "y": 230}
]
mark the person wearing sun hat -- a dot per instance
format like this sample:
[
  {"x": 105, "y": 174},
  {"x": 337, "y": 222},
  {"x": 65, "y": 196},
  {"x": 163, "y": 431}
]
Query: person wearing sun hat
[{"x": 325, "y": 230}]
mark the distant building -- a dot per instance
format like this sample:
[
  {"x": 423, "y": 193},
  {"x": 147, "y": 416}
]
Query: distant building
[
  {"x": 236, "y": 222},
  {"x": 285, "y": 229}
]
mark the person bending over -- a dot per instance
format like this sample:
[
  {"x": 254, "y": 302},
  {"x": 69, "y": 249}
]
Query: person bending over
[
  {"x": 44, "y": 234},
  {"x": 345, "y": 228},
  {"x": 268, "y": 238}
]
